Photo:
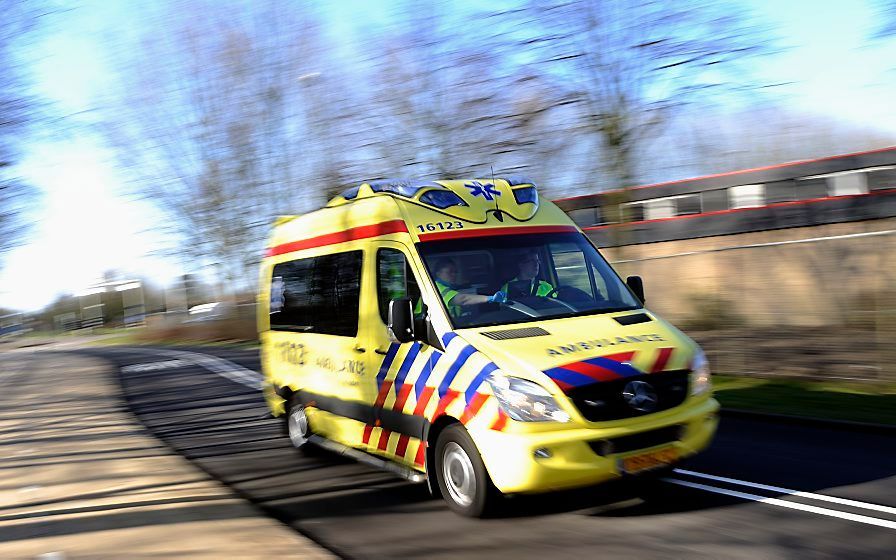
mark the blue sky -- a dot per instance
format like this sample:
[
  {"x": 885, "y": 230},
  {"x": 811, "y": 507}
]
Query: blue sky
[
  {"x": 836, "y": 69},
  {"x": 86, "y": 224}
]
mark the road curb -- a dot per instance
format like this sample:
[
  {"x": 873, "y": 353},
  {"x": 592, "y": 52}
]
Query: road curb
[
  {"x": 88, "y": 479},
  {"x": 865, "y": 427}
]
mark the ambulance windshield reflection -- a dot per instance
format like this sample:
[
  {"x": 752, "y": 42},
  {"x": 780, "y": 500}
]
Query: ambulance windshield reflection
[{"x": 526, "y": 278}]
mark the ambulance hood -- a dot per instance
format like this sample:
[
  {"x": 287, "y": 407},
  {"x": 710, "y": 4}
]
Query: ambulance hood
[{"x": 577, "y": 351}]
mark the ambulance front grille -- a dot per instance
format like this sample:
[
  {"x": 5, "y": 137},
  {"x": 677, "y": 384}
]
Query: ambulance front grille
[
  {"x": 516, "y": 333},
  {"x": 641, "y": 440},
  {"x": 603, "y": 401}
]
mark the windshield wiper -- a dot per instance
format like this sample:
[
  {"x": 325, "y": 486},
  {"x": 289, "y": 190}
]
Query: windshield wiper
[{"x": 604, "y": 310}]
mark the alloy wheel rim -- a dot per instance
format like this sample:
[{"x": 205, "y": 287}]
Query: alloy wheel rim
[
  {"x": 460, "y": 478},
  {"x": 298, "y": 427}
]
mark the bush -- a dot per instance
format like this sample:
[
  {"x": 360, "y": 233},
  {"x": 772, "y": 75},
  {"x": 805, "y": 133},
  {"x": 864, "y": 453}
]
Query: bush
[{"x": 711, "y": 312}]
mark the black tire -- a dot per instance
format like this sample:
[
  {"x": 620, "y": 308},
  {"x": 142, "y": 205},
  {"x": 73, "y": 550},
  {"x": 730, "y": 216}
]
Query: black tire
[
  {"x": 467, "y": 488},
  {"x": 297, "y": 427}
]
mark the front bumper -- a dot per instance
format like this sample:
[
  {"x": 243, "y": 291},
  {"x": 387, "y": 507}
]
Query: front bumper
[{"x": 510, "y": 458}]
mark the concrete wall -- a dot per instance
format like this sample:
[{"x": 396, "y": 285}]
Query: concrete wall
[{"x": 845, "y": 276}]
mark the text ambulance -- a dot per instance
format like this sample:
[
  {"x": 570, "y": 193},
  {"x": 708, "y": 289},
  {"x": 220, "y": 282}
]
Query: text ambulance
[{"x": 468, "y": 334}]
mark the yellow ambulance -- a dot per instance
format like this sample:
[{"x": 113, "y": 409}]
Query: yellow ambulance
[{"x": 468, "y": 334}]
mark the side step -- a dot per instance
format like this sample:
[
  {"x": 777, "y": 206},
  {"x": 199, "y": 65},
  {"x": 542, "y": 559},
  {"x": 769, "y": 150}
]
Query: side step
[{"x": 368, "y": 459}]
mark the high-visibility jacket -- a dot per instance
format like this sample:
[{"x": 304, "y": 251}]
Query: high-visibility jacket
[
  {"x": 448, "y": 293},
  {"x": 538, "y": 288}
]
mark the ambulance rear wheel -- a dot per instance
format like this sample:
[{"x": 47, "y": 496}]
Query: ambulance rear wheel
[
  {"x": 297, "y": 427},
  {"x": 463, "y": 480}
]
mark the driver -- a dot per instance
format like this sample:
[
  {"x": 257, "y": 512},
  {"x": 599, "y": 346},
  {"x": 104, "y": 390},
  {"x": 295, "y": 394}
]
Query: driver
[
  {"x": 526, "y": 283},
  {"x": 446, "y": 278}
]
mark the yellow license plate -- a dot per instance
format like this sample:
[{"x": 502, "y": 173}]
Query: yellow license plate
[{"x": 648, "y": 461}]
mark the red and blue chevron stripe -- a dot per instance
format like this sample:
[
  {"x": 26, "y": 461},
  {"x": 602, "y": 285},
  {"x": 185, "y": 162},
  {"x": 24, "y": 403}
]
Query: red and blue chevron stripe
[{"x": 603, "y": 368}]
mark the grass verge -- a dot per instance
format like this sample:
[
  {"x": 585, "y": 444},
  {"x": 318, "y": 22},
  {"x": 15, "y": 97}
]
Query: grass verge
[{"x": 817, "y": 399}]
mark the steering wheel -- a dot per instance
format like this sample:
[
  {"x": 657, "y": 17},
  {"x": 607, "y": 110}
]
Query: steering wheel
[
  {"x": 552, "y": 295},
  {"x": 517, "y": 306}
]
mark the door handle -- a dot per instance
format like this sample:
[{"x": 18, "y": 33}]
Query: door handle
[
  {"x": 359, "y": 349},
  {"x": 380, "y": 352}
]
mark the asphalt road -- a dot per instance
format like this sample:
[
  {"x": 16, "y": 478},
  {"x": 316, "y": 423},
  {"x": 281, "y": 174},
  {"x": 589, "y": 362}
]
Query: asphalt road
[{"x": 211, "y": 411}]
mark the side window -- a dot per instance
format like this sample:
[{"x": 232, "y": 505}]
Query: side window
[
  {"x": 394, "y": 279},
  {"x": 572, "y": 269},
  {"x": 569, "y": 263},
  {"x": 601, "y": 283},
  {"x": 290, "y": 287},
  {"x": 319, "y": 294}
]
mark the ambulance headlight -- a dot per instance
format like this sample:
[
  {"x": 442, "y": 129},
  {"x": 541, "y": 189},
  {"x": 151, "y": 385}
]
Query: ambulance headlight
[
  {"x": 526, "y": 401},
  {"x": 700, "y": 376}
]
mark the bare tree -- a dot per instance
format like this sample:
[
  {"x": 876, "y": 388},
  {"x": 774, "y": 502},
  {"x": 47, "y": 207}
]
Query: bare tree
[
  {"x": 213, "y": 124},
  {"x": 764, "y": 134},
  {"x": 452, "y": 104},
  {"x": 636, "y": 64},
  {"x": 17, "y": 110}
]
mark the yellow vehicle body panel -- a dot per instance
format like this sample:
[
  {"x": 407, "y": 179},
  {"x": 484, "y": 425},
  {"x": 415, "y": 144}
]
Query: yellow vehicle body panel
[{"x": 382, "y": 397}]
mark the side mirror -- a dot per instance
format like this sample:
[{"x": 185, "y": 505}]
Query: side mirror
[
  {"x": 401, "y": 319},
  {"x": 637, "y": 286}
]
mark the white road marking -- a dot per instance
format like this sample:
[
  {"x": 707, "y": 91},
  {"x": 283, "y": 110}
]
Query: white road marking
[
  {"x": 154, "y": 366},
  {"x": 785, "y": 504},
  {"x": 789, "y": 491},
  {"x": 220, "y": 366}
]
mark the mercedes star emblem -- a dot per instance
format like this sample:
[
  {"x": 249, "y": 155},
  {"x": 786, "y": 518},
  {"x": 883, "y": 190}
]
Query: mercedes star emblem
[{"x": 640, "y": 395}]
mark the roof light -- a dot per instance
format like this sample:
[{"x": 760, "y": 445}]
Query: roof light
[
  {"x": 526, "y": 195},
  {"x": 513, "y": 180},
  {"x": 400, "y": 187},
  {"x": 441, "y": 199},
  {"x": 350, "y": 193}
]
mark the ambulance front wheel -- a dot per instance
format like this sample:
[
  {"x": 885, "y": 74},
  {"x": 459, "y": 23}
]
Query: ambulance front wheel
[{"x": 462, "y": 478}]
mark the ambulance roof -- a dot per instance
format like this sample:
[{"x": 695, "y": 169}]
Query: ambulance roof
[
  {"x": 444, "y": 195},
  {"x": 424, "y": 209}
]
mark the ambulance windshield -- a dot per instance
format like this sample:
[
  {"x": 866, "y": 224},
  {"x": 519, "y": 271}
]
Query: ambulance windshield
[{"x": 539, "y": 276}]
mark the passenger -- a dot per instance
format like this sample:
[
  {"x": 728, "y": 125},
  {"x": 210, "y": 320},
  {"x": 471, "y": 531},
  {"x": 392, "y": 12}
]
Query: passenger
[
  {"x": 526, "y": 283},
  {"x": 446, "y": 278}
]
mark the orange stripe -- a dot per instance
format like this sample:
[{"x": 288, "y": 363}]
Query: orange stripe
[
  {"x": 402, "y": 396},
  {"x": 384, "y": 440},
  {"x": 420, "y": 409},
  {"x": 473, "y": 408},
  {"x": 449, "y": 397},
  {"x": 384, "y": 391},
  {"x": 620, "y": 357},
  {"x": 420, "y": 459},
  {"x": 596, "y": 372},
  {"x": 402, "y": 446},
  {"x": 501, "y": 421},
  {"x": 662, "y": 360},
  {"x": 351, "y": 234}
]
